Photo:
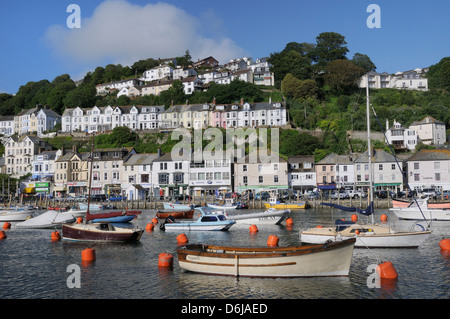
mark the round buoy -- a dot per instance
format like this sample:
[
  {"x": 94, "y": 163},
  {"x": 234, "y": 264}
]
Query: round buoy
[
  {"x": 354, "y": 218},
  {"x": 149, "y": 227},
  {"x": 79, "y": 220},
  {"x": 386, "y": 270},
  {"x": 6, "y": 225},
  {"x": 444, "y": 244},
  {"x": 88, "y": 254},
  {"x": 253, "y": 228},
  {"x": 56, "y": 236},
  {"x": 2, "y": 234},
  {"x": 357, "y": 232},
  {"x": 182, "y": 238},
  {"x": 272, "y": 241},
  {"x": 155, "y": 220},
  {"x": 165, "y": 260},
  {"x": 318, "y": 226},
  {"x": 383, "y": 218},
  {"x": 289, "y": 221}
]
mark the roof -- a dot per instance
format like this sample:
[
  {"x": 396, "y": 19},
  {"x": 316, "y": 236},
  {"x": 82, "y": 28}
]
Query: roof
[
  {"x": 427, "y": 120},
  {"x": 379, "y": 156},
  {"x": 430, "y": 155},
  {"x": 333, "y": 159},
  {"x": 141, "y": 159}
]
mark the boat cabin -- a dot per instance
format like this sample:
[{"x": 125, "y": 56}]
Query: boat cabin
[{"x": 105, "y": 227}]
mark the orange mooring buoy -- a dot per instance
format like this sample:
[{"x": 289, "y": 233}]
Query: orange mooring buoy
[
  {"x": 88, "y": 254},
  {"x": 354, "y": 218},
  {"x": 6, "y": 225},
  {"x": 79, "y": 220},
  {"x": 444, "y": 244},
  {"x": 56, "y": 236},
  {"x": 182, "y": 239},
  {"x": 149, "y": 227},
  {"x": 272, "y": 241},
  {"x": 387, "y": 270},
  {"x": 2, "y": 234},
  {"x": 289, "y": 221},
  {"x": 253, "y": 228},
  {"x": 155, "y": 220},
  {"x": 165, "y": 260},
  {"x": 383, "y": 218}
]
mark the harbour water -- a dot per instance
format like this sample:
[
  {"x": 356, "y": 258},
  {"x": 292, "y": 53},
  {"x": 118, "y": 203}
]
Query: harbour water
[{"x": 34, "y": 267}]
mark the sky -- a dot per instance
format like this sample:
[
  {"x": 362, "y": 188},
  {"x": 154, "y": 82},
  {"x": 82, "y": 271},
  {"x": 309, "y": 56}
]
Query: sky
[{"x": 37, "y": 43}]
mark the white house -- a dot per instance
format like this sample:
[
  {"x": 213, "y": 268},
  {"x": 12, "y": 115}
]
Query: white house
[
  {"x": 7, "y": 125},
  {"x": 105, "y": 88},
  {"x": 158, "y": 73},
  {"x": 408, "y": 80},
  {"x": 170, "y": 177},
  {"x": 181, "y": 73},
  {"x": 430, "y": 131},
  {"x": 211, "y": 176},
  {"x": 429, "y": 169},
  {"x": 400, "y": 137},
  {"x": 301, "y": 173},
  {"x": 137, "y": 181},
  {"x": 43, "y": 165},
  {"x": 192, "y": 84}
]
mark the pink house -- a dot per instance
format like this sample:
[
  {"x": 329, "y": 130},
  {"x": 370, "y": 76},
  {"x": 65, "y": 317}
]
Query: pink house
[{"x": 219, "y": 116}]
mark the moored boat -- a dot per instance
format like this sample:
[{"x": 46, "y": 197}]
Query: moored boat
[
  {"x": 276, "y": 204},
  {"x": 49, "y": 219},
  {"x": 11, "y": 215},
  {"x": 100, "y": 232},
  {"x": 114, "y": 217},
  {"x": 270, "y": 216},
  {"x": 422, "y": 211},
  {"x": 207, "y": 220},
  {"x": 329, "y": 259},
  {"x": 177, "y": 206}
]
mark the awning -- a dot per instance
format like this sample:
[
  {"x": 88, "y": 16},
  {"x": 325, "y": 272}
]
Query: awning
[{"x": 29, "y": 190}]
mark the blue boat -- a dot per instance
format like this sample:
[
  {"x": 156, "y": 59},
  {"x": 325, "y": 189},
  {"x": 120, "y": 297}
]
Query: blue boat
[{"x": 114, "y": 217}]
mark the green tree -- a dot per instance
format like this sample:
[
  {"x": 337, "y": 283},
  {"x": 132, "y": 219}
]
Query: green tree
[
  {"x": 364, "y": 62},
  {"x": 439, "y": 75},
  {"x": 342, "y": 75},
  {"x": 330, "y": 46}
]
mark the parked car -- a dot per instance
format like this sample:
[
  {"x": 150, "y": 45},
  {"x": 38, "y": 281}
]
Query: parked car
[
  {"x": 439, "y": 195},
  {"x": 356, "y": 194},
  {"x": 384, "y": 194},
  {"x": 428, "y": 192},
  {"x": 342, "y": 194},
  {"x": 116, "y": 198},
  {"x": 313, "y": 195},
  {"x": 262, "y": 196},
  {"x": 98, "y": 197}
]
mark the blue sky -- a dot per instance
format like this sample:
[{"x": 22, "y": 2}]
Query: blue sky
[{"x": 36, "y": 43}]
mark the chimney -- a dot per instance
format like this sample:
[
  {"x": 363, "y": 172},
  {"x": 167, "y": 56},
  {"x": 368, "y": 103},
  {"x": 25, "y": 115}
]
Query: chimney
[
  {"x": 187, "y": 102},
  {"x": 74, "y": 148},
  {"x": 159, "y": 152},
  {"x": 214, "y": 101},
  {"x": 242, "y": 101},
  {"x": 387, "y": 125}
]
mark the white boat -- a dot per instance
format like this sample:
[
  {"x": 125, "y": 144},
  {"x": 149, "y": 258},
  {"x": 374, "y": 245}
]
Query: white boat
[
  {"x": 270, "y": 216},
  {"x": 366, "y": 235},
  {"x": 177, "y": 206},
  {"x": 207, "y": 220},
  {"x": 228, "y": 204},
  {"x": 92, "y": 207},
  {"x": 421, "y": 212},
  {"x": 330, "y": 259},
  {"x": 49, "y": 219},
  {"x": 11, "y": 215}
]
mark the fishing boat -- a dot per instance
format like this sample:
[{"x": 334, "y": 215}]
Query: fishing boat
[
  {"x": 368, "y": 234},
  {"x": 48, "y": 219},
  {"x": 421, "y": 210},
  {"x": 12, "y": 215},
  {"x": 329, "y": 259},
  {"x": 100, "y": 231},
  {"x": 181, "y": 214},
  {"x": 177, "y": 206},
  {"x": 270, "y": 216},
  {"x": 115, "y": 217},
  {"x": 207, "y": 220},
  {"x": 276, "y": 204}
]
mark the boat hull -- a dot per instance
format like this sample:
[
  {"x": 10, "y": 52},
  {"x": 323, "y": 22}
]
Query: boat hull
[
  {"x": 222, "y": 207},
  {"x": 90, "y": 232},
  {"x": 49, "y": 219},
  {"x": 285, "y": 206},
  {"x": 268, "y": 217},
  {"x": 366, "y": 239},
  {"x": 415, "y": 214},
  {"x": 177, "y": 207},
  {"x": 182, "y": 214},
  {"x": 332, "y": 259},
  {"x": 194, "y": 226},
  {"x": 14, "y": 216}
]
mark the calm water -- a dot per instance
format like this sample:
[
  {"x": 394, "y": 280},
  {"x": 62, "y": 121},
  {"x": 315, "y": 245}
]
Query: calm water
[{"x": 33, "y": 267}]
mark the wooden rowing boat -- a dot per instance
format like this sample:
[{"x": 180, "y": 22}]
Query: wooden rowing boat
[
  {"x": 329, "y": 259},
  {"x": 182, "y": 214}
]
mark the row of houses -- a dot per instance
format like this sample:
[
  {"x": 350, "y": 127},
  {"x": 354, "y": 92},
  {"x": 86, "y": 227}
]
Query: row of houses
[
  {"x": 124, "y": 171},
  {"x": 193, "y": 78},
  {"x": 407, "y": 80},
  {"x": 243, "y": 114}
]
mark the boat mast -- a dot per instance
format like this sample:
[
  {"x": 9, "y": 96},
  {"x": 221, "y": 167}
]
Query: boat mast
[
  {"x": 369, "y": 147},
  {"x": 91, "y": 160}
]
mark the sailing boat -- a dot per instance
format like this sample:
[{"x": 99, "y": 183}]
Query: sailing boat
[
  {"x": 367, "y": 234},
  {"x": 100, "y": 231}
]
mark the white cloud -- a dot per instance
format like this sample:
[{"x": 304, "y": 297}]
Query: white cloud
[{"x": 125, "y": 33}]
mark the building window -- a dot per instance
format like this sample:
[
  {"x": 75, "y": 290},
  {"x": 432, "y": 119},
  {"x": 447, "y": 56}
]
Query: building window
[
  {"x": 275, "y": 178},
  {"x": 261, "y": 179}
]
